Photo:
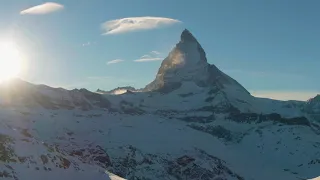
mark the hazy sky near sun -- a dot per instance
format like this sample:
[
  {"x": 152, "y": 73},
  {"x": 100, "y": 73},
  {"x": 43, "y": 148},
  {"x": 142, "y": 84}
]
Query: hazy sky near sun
[{"x": 270, "y": 46}]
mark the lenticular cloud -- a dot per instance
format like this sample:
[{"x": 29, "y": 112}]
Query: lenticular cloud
[
  {"x": 135, "y": 23},
  {"x": 43, "y": 8}
]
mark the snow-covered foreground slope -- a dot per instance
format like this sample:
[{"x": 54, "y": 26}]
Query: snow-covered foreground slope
[
  {"x": 83, "y": 145},
  {"x": 90, "y": 143},
  {"x": 192, "y": 122}
]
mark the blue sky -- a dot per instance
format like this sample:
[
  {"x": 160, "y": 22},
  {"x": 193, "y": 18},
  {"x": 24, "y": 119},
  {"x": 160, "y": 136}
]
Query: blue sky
[{"x": 270, "y": 46}]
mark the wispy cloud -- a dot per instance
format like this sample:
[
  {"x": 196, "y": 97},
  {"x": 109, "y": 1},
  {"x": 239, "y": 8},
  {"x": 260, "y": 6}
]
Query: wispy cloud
[
  {"x": 88, "y": 43},
  {"x": 155, "y": 52},
  {"x": 145, "y": 56},
  {"x": 115, "y": 61},
  {"x": 148, "y": 59},
  {"x": 45, "y": 8},
  {"x": 152, "y": 56},
  {"x": 285, "y": 95},
  {"x": 135, "y": 23}
]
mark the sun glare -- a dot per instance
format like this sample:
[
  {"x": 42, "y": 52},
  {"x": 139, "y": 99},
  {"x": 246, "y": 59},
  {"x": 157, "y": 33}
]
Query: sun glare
[{"x": 10, "y": 61}]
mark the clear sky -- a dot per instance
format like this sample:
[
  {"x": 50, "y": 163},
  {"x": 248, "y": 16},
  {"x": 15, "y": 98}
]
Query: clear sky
[{"x": 272, "y": 47}]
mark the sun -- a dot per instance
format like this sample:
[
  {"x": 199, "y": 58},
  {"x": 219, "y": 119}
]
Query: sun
[{"x": 10, "y": 61}]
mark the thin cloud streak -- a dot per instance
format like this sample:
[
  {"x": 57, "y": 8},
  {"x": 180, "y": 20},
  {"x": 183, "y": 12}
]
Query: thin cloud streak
[
  {"x": 145, "y": 56},
  {"x": 45, "y": 8},
  {"x": 155, "y": 52},
  {"x": 148, "y": 59},
  {"x": 152, "y": 56},
  {"x": 88, "y": 43},
  {"x": 124, "y": 25},
  {"x": 115, "y": 61}
]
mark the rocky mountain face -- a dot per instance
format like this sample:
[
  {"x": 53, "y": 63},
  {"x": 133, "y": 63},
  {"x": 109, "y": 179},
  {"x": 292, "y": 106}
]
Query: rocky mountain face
[
  {"x": 187, "y": 62},
  {"x": 192, "y": 122},
  {"x": 312, "y": 107}
]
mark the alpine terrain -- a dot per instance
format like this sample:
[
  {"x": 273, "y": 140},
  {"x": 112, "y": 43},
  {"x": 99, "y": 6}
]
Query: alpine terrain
[{"x": 192, "y": 122}]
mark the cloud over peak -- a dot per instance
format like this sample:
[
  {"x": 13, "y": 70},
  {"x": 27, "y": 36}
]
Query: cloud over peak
[
  {"x": 115, "y": 61},
  {"x": 135, "y": 23},
  {"x": 45, "y": 8}
]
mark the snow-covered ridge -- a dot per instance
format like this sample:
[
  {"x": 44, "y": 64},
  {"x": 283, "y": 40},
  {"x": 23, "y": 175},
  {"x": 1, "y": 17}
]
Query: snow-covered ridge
[
  {"x": 313, "y": 105},
  {"x": 118, "y": 90},
  {"x": 24, "y": 94}
]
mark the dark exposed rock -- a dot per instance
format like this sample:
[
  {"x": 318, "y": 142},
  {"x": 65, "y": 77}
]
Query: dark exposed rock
[
  {"x": 6, "y": 152},
  {"x": 185, "y": 160},
  {"x": 129, "y": 108},
  {"x": 198, "y": 119},
  {"x": 186, "y": 95},
  {"x": 26, "y": 133},
  {"x": 65, "y": 163},
  {"x": 44, "y": 159},
  {"x": 217, "y": 131},
  {"x": 256, "y": 118}
]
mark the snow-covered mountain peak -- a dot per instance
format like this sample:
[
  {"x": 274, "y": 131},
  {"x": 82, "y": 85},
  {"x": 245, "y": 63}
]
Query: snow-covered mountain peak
[
  {"x": 313, "y": 106},
  {"x": 187, "y": 62},
  {"x": 316, "y": 98},
  {"x": 187, "y": 36},
  {"x": 189, "y": 50},
  {"x": 314, "y": 101}
]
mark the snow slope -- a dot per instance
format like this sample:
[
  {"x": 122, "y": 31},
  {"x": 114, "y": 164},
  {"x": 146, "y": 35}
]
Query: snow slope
[{"x": 90, "y": 142}]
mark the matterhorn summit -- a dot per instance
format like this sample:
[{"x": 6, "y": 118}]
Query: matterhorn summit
[{"x": 187, "y": 62}]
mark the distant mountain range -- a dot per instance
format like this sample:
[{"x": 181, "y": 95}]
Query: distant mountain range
[{"x": 192, "y": 122}]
